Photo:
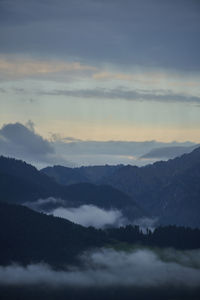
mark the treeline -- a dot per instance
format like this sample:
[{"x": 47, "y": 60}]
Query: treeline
[
  {"x": 168, "y": 236},
  {"x": 30, "y": 237}
]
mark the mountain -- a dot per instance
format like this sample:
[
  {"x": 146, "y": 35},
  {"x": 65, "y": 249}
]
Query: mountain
[
  {"x": 170, "y": 190},
  {"x": 169, "y": 152},
  {"x": 30, "y": 237},
  {"x": 91, "y": 174},
  {"x": 167, "y": 190},
  {"x": 179, "y": 201},
  {"x": 22, "y": 183}
]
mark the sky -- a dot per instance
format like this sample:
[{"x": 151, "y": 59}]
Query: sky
[{"x": 98, "y": 71}]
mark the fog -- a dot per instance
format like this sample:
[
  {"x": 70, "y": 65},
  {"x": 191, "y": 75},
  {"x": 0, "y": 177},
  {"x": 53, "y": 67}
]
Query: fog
[
  {"x": 86, "y": 215},
  {"x": 107, "y": 267},
  {"x": 90, "y": 215},
  {"x": 146, "y": 222},
  {"x": 41, "y": 203}
]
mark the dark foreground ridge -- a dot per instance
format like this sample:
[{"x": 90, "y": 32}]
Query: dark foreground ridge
[
  {"x": 27, "y": 237},
  {"x": 112, "y": 293}
]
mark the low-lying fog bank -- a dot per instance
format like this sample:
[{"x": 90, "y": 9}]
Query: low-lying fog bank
[
  {"x": 89, "y": 214},
  {"x": 108, "y": 267}
]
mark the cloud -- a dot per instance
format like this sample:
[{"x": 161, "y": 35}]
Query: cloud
[
  {"x": 106, "y": 267},
  {"x": 169, "y": 152},
  {"x": 124, "y": 94},
  {"x": 18, "y": 67},
  {"x": 128, "y": 148},
  {"x": 145, "y": 223},
  {"x": 109, "y": 75},
  {"x": 108, "y": 152},
  {"x": 45, "y": 204},
  {"x": 90, "y": 215},
  {"x": 86, "y": 215},
  {"x": 22, "y": 142},
  {"x": 25, "y": 139},
  {"x": 142, "y": 32}
]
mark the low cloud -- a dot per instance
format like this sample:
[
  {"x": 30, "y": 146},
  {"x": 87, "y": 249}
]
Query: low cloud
[
  {"x": 85, "y": 215},
  {"x": 168, "y": 152},
  {"x": 90, "y": 215},
  {"x": 24, "y": 139},
  {"x": 22, "y": 142},
  {"x": 145, "y": 223},
  {"x": 110, "y": 152},
  {"x": 128, "y": 148},
  {"x": 45, "y": 204},
  {"x": 106, "y": 267}
]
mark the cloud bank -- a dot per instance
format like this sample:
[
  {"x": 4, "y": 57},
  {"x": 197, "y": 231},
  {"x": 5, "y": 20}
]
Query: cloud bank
[
  {"x": 125, "y": 94},
  {"x": 107, "y": 267},
  {"x": 44, "y": 204},
  {"x": 25, "y": 139},
  {"x": 111, "y": 152},
  {"x": 22, "y": 142},
  {"x": 90, "y": 215}
]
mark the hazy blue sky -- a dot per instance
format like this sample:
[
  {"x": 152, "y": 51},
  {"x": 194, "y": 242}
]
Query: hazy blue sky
[{"x": 102, "y": 69}]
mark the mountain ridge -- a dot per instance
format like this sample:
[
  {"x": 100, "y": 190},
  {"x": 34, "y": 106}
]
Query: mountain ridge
[
  {"x": 159, "y": 188},
  {"x": 28, "y": 185}
]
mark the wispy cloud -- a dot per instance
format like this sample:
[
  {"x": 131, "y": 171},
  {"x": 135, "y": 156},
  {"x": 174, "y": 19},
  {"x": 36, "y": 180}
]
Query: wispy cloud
[
  {"x": 21, "y": 67},
  {"x": 125, "y": 94},
  {"x": 109, "y": 75}
]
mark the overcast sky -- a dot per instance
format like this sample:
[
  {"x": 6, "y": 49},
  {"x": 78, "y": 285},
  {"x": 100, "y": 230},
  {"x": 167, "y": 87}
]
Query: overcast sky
[{"x": 102, "y": 70}]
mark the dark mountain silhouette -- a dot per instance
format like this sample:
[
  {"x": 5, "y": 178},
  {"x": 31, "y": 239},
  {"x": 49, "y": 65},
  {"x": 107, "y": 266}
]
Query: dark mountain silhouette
[
  {"x": 169, "y": 190},
  {"x": 91, "y": 174},
  {"x": 21, "y": 183},
  {"x": 30, "y": 237}
]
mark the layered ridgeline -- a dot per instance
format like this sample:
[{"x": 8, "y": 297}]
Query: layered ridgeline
[
  {"x": 68, "y": 176},
  {"x": 45, "y": 257},
  {"x": 168, "y": 190},
  {"x": 22, "y": 183}
]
